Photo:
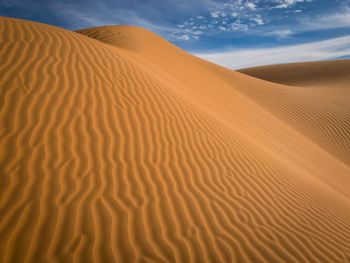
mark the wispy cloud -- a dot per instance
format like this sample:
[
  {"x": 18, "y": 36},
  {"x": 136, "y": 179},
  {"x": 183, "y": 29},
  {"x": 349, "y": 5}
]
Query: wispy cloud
[
  {"x": 101, "y": 14},
  {"x": 310, "y": 24},
  {"x": 328, "y": 21},
  {"x": 320, "y": 50},
  {"x": 289, "y": 3},
  {"x": 280, "y": 33}
]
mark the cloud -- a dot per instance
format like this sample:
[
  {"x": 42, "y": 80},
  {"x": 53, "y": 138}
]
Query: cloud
[
  {"x": 101, "y": 14},
  {"x": 280, "y": 33},
  {"x": 320, "y": 50},
  {"x": 314, "y": 24},
  {"x": 250, "y": 5},
  {"x": 239, "y": 15},
  {"x": 230, "y": 16},
  {"x": 328, "y": 21},
  {"x": 191, "y": 20},
  {"x": 258, "y": 20},
  {"x": 288, "y": 3}
]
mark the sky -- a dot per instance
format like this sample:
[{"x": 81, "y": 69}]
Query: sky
[{"x": 233, "y": 33}]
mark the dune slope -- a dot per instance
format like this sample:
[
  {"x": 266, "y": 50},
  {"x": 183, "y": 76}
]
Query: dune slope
[
  {"x": 321, "y": 115},
  {"x": 317, "y": 104},
  {"x": 304, "y": 74},
  {"x": 116, "y": 146}
]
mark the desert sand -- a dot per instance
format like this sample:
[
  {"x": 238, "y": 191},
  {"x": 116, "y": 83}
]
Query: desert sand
[
  {"x": 117, "y": 146},
  {"x": 303, "y": 74}
]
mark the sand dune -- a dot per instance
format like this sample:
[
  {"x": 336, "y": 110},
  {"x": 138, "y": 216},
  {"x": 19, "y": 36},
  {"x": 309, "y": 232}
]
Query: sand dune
[
  {"x": 320, "y": 73},
  {"x": 117, "y": 146},
  {"x": 319, "y": 107}
]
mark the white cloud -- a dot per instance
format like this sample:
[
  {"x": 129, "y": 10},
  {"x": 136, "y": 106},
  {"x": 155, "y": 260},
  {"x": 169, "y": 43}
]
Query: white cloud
[
  {"x": 250, "y": 5},
  {"x": 258, "y": 20},
  {"x": 184, "y": 37},
  {"x": 242, "y": 58},
  {"x": 230, "y": 16},
  {"x": 310, "y": 24},
  {"x": 280, "y": 33},
  {"x": 319, "y": 23},
  {"x": 287, "y": 3},
  {"x": 214, "y": 14},
  {"x": 334, "y": 20}
]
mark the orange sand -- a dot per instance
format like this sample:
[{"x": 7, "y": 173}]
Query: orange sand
[
  {"x": 320, "y": 73},
  {"x": 117, "y": 146}
]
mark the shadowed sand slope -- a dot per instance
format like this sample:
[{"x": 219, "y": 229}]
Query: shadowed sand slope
[
  {"x": 320, "y": 73},
  {"x": 116, "y": 146},
  {"x": 318, "y": 105}
]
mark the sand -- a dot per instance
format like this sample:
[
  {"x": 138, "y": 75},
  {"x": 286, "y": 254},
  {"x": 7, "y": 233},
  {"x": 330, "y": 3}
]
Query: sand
[
  {"x": 317, "y": 104},
  {"x": 334, "y": 73},
  {"x": 117, "y": 146}
]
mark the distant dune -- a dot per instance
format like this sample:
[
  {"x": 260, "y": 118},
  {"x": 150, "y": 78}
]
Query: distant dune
[
  {"x": 117, "y": 146},
  {"x": 320, "y": 73}
]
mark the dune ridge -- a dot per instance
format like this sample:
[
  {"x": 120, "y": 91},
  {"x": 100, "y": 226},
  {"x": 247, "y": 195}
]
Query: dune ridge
[{"x": 115, "y": 149}]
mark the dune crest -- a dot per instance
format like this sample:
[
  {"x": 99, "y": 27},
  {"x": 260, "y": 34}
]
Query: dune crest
[{"x": 117, "y": 146}]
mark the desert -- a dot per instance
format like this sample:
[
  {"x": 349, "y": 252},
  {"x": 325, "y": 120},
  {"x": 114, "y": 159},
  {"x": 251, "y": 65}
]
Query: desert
[{"x": 118, "y": 146}]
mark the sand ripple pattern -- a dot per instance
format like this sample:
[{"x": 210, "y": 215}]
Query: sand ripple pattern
[{"x": 316, "y": 103}]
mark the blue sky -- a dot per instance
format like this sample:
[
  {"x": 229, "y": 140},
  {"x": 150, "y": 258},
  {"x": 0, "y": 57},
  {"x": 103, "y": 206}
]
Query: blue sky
[{"x": 233, "y": 33}]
